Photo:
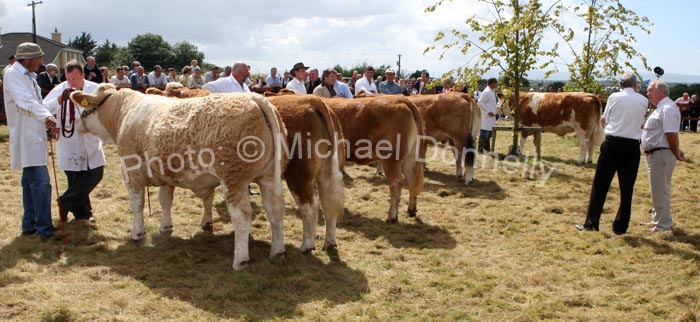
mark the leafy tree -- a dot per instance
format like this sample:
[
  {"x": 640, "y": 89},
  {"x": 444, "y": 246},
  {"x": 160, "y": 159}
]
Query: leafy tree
[
  {"x": 677, "y": 91},
  {"x": 151, "y": 49},
  {"x": 694, "y": 89},
  {"x": 506, "y": 82},
  {"x": 360, "y": 68},
  {"x": 609, "y": 36},
  {"x": 123, "y": 56},
  {"x": 85, "y": 43},
  {"x": 508, "y": 40},
  {"x": 106, "y": 53},
  {"x": 557, "y": 85},
  {"x": 183, "y": 53}
]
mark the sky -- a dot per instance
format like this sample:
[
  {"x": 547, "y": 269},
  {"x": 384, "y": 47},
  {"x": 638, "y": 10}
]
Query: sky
[{"x": 324, "y": 33}]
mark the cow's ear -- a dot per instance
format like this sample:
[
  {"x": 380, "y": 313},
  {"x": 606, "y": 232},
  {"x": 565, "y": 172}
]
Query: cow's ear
[{"x": 84, "y": 99}]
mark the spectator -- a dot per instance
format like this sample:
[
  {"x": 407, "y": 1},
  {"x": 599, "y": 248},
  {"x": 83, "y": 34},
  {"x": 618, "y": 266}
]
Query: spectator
[
  {"x": 694, "y": 112},
  {"x": 285, "y": 79},
  {"x": 157, "y": 79},
  {"x": 120, "y": 80},
  {"x": 366, "y": 83},
  {"x": 297, "y": 83},
  {"x": 196, "y": 80},
  {"x": 232, "y": 84},
  {"x": 662, "y": 149},
  {"x": 389, "y": 86},
  {"x": 185, "y": 77},
  {"x": 134, "y": 64},
  {"x": 139, "y": 81},
  {"x": 327, "y": 87},
  {"x": 683, "y": 103},
  {"x": 488, "y": 105},
  {"x": 227, "y": 71},
  {"x": 193, "y": 64},
  {"x": 341, "y": 88},
  {"x": 10, "y": 60},
  {"x": 212, "y": 75},
  {"x": 422, "y": 86},
  {"x": 92, "y": 72},
  {"x": 619, "y": 153},
  {"x": 314, "y": 81},
  {"x": 447, "y": 85},
  {"x": 28, "y": 121},
  {"x": 105, "y": 74},
  {"x": 273, "y": 79},
  {"x": 172, "y": 75},
  {"x": 379, "y": 81},
  {"x": 48, "y": 79}
]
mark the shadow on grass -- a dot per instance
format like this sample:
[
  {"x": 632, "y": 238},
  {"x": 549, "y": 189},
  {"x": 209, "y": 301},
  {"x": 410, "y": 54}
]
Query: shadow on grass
[
  {"x": 661, "y": 248},
  {"x": 408, "y": 233},
  {"x": 570, "y": 161},
  {"x": 449, "y": 184},
  {"x": 198, "y": 271}
]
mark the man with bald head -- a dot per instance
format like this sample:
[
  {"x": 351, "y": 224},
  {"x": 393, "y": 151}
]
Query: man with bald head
[{"x": 232, "y": 84}]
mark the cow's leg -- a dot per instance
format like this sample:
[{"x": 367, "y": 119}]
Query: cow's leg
[
  {"x": 392, "y": 170},
  {"x": 136, "y": 198},
  {"x": 380, "y": 171},
  {"x": 523, "y": 141},
  {"x": 457, "y": 149},
  {"x": 165, "y": 196},
  {"x": 332, "y": 194},
  {"x": 239, "y": 209},
  {"x": 582, "y": 144},
  {"x": 590, "y": 146},
  {"x": 273, "y": 202},
  {"x": 207, "y": 195}
]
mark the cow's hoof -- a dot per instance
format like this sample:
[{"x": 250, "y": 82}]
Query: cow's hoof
[
  {"x": 412, "y": 212},
  {"x": 380, "y": 173},
  {"x": 208, "y": 227},
  {"x": 460, "y": 176},
  {"x": 469, "y": 183},
  {"x": 308, "y": 250},
  {"x": 240, "y": 266},
  {"x": 329, "y": 247},
  {"x": 278, "y": 257},
  {"x": 166, "y": 231},
  {"x": 394, "y": 220}
]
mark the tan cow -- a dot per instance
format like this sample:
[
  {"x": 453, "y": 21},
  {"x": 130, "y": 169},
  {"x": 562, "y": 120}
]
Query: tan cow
[
  {"x": 563, "y": 113},
  {"x": 174, "y": 89},
  {"x": 454, "y": 118},
  {"x": 198, "y": 143},
  {"x": 385, "y": 129}
]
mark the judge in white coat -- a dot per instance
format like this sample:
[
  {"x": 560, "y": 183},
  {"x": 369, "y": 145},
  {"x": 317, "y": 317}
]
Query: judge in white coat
[
  {"x": 80, "y": 155},
  {"x": 28, "y": 120},
  {"x": 488, "y": 103}
]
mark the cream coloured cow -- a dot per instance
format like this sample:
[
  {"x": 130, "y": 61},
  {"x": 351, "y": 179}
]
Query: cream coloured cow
[{"x": 198, "y": 143}]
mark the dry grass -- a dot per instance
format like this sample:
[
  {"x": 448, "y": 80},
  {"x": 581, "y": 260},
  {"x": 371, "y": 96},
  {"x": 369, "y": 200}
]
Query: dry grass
[{"x": 503, "y": 249}]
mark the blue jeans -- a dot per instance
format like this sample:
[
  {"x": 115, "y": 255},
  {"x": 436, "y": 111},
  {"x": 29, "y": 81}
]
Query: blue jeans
[
  {"x": 36, "y": 198},
  {"x": 485, "y": 134}
]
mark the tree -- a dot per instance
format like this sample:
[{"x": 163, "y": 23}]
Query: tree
[
  {"x": 183, "y": 53},
  {"x": 123, "y": 57},
  {"x": 508, "y": 40},
  {"x": 609, "y": 37},
  {"x": 676, "y": 91},
  {"x": 106, "y": 53},
  {"x": 85, "y": 43},
  {"x": 150, "y": 50}
]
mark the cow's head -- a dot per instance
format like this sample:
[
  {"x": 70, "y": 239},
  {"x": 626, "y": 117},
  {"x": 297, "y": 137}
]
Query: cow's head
[
  {"x": 92, "y": 104},
  {"x": 505, "y": 104}
]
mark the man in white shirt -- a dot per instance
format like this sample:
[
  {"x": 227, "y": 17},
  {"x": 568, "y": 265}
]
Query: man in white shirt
[
  {"x": 662, "y": 149},
  {"x": 623, "y": 119},
  {"x": 79, "y": 155},
  {"x": 120, "y": 80},
  {"x": 157, "y": 79},
  {"x": 28, "y": 120},
  {"x": 297, "y": 84},
  {"x": 488, "y": 104},
  {"x": 366, "y": 83},
  {"x": 232, "y": 84}
]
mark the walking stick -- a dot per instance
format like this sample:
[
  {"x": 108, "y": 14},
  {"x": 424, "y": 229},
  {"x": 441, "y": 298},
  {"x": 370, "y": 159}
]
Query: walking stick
[{"x": 58, "y": 200}]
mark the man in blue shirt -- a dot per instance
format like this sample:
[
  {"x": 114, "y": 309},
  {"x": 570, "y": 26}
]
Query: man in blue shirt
[
  {"x": 342, "y": 89},
  {"x": 274, "y": 79},
  {"x": 389, "y": 86}
]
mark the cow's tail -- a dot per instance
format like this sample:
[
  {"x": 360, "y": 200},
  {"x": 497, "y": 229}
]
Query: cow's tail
[
  {"x": 279, "y": 136},
  {"x": 335, "y": 200},
  {"x": 598, "y": 131},
  {"x": 473, "y": 133},
  {"x": 420, "y": 143}
]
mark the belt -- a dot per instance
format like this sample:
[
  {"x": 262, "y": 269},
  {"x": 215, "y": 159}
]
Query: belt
[
  {"x": 650, "y": 152},
  {"x": 621, "y": 139}
]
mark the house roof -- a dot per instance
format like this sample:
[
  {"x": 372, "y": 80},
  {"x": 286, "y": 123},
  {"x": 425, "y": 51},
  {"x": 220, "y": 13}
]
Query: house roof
[{"x": 51, "y": 48}]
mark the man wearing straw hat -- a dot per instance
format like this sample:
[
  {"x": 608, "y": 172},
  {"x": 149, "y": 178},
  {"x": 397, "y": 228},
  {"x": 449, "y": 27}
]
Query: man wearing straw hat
[{"x": 28, "y": 120}]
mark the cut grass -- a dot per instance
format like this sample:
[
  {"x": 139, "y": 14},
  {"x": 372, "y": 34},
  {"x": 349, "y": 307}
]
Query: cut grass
[{"x": 502, "y": 249}]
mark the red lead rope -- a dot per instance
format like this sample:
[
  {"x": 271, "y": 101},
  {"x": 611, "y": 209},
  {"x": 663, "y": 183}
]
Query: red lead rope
[
  {"x": 58, "y": 200},
  {"x": 67, "y": 108}
]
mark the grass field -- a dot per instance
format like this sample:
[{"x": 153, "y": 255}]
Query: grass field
[{"x": 502, "y": 249}]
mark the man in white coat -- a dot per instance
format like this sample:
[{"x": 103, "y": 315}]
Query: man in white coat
[
  {"x": 28, "y": 120},
  {"x": 231, "y": 84},
  {"x": 79, "y": 155},
  {"x": 488, "y": 105},
  {"x": 297, "y": 84}
]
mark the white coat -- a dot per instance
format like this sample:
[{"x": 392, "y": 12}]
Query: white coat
[
  {"x": 488, "y": 103},
  {"x": 25, "y": 118}
]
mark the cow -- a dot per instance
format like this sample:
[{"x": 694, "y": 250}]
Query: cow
[
  {"x": 563, "y": 113},
  {"x": 454, "y": 118},
  {"x": 312, "y": 127},
  {"x": 385, "y": 129},
  {"x": 229, "y": 139},
  {"x": 174, "y": 89}
]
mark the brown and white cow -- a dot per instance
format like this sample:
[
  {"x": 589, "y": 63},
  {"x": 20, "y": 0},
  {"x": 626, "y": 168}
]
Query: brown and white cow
[
  {"x": 385, "y": 129},
  {"x": 174, "y": 89},
  {"x": 563, "y": 113},
  {"x": 454, "y": 118},
  {"x": 194, "y": 144}
]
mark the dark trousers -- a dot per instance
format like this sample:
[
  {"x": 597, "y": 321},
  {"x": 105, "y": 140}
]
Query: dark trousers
[
  {"x": 621, "y": 156},
  {"x": 694, "y": 112},
  {"x": 76, "y": 199},
  {"x": 684, "y": 123}
]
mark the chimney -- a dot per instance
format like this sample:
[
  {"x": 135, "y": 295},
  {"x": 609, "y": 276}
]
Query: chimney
[{"x": 55, "y": 35}]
